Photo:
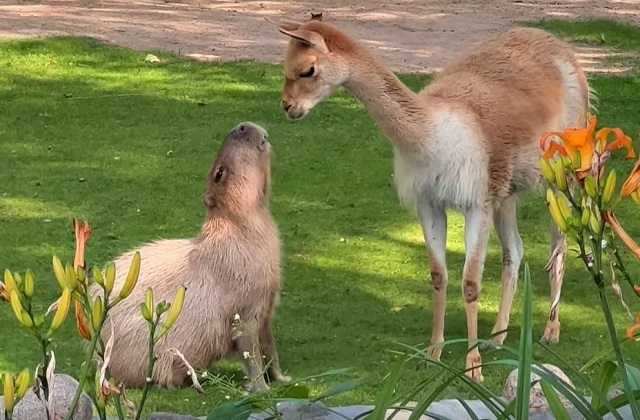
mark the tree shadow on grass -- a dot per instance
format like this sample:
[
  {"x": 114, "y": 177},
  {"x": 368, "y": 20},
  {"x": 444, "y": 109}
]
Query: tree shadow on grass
[{"x": 131, "y": 158}]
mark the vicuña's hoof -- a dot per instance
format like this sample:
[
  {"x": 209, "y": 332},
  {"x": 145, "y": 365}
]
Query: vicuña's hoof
[{"x": 474, "y": 369}]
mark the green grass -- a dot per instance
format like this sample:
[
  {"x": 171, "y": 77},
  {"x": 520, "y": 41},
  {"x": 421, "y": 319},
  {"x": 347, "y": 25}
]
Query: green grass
[{"x": 86, "y": 130}]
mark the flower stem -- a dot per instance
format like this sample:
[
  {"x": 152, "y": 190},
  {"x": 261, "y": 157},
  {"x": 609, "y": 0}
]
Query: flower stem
[
  {"x": 87, "y": 363},
  {"x": 119, "y": 407},
  {"x": 620, "y": 264},
  {"x": 150, "y": 365},
  {"x": 618, "y": 351}
]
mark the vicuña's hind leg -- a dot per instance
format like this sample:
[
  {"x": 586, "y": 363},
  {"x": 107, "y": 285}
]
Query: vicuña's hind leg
[
  {"x": 476, "y": 237},
  {"x": 434, "y": 227},
  {"x": 505, "y": 223},
  {"x": 555, "y": 267}
]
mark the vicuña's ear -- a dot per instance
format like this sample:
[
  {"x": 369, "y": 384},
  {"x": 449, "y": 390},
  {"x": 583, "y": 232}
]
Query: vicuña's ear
[
  {"x": 289, "y": 25},
  {"x": 310, "y": 38}
]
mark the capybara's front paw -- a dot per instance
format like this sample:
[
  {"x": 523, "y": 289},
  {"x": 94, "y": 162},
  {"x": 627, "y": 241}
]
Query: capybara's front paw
[
  {"x": 257, "y": 385},
  {"x": 279, "y": 377}
]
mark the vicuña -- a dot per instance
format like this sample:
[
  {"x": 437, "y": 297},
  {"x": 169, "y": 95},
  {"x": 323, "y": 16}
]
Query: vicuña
[{"x": 468, "y": 141}]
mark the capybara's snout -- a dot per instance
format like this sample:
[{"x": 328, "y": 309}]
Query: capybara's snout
[{"x": 249, "y": 132}]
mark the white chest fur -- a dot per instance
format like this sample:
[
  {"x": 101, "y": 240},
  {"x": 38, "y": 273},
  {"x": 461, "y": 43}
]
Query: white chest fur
[{"x": 453, "y": 172}]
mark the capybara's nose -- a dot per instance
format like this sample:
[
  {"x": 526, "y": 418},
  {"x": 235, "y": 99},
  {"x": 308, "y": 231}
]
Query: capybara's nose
[{"x": 246, "y": 130}]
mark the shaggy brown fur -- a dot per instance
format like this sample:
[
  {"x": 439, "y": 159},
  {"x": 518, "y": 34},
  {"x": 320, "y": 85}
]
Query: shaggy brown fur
[{"x": 232, "y": 267}]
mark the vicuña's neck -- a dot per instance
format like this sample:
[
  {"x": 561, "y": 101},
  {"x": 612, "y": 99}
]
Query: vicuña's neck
[{"x": 396, "y": 109}]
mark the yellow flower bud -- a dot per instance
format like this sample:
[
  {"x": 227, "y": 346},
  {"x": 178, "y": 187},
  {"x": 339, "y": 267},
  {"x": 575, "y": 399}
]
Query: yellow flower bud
[{"x": 132, "y": 277}]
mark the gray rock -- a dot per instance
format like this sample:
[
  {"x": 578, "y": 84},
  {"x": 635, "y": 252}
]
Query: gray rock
[
  {"x": 306, "y": 411},
  {"x": 537, "y": 401},
  {"x": 32, "y": 408},
  {"x": 170, "y": 416}
]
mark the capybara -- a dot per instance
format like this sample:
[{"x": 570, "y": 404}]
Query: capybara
[{"x": 232, "y": 268}]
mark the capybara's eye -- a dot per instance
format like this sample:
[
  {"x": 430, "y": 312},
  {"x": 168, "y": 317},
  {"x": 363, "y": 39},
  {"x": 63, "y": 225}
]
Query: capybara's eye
[
  {"x": 219, "y": 175},
  {"x": 309, "y": 72}
]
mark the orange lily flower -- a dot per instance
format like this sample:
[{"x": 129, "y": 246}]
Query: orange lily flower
[
  {"x": 584, "y": 140},
  {"x": 632, "y": 183},
  {"x": 3, "y": 292},
  {"x": 632, "y": 331},
  {"x": 580, "y": 139},
  {"x": 82, "y": 233}
]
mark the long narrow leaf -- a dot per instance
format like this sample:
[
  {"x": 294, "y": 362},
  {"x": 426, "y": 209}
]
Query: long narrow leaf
[
  {"x": 604, "y": 382},
  {"x": 494, "y": 404},
  {"x": 594, "y": 389},
  {"x": 526, "y": 351},
  {"x": 422, "y": 406},
  {"x": 555, "y": 405},
  {"x": 579, "y": 401},
  {"x": 468, "y": 409},
  {"x": 385, "y": 396},
  {"x": 618, "y": 402},
  {"x": 338, "y": 389}
]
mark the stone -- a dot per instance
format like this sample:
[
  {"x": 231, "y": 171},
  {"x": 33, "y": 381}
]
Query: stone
[
  {"x": 537, "y": 401},
  {"x": 32, "y": 408},
  {"x": 170, "y": 416},
  {"x": 451, "y": 409}
]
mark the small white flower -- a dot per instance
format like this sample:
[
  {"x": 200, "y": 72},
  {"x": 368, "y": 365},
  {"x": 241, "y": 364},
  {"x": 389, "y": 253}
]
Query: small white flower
[
  {"x": 204, "y": 374},
  {"x": 236, "y": 317},
  {"x": 226, "y": 397},
  {"x": 246, "y": 354}
]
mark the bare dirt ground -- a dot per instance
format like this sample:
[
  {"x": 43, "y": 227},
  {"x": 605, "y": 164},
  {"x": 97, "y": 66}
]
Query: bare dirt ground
[{"x": 408, "y": 35}]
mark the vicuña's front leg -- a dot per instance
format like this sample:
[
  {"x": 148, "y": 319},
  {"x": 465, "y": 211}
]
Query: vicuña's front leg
[
  {"x": 434, "y": 227},
  {"x": 555, "y": 267},
  {"x": 476, "y": 236}
]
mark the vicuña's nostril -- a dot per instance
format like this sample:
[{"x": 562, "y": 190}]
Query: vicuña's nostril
[
  {"x": 242, "y": 128},
  {"x": 286, "y": 106}
]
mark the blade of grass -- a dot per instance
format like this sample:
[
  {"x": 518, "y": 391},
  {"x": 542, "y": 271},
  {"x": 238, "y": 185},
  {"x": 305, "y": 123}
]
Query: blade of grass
[
  {"x": 604, "y": 382},
  {"x": 558, "y": 409},
  {"x": 526, "y": 351}
]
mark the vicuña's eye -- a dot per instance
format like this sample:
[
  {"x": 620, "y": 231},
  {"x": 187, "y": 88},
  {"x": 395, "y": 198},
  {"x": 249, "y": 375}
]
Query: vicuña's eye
[{"x": 309, "y": 72}]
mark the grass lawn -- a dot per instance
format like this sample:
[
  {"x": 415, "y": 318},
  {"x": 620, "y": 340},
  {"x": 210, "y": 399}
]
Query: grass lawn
[{"x": 92, "y": 131}]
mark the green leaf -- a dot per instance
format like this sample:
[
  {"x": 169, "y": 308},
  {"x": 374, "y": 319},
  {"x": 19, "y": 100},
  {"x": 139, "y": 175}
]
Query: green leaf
[
  {"x": 299, "y": 392},
  {"x": 230, "y": 411},
  {"x": 634, "y": 376},
  {"x": 385, "y": 396},
  {"x": 339, "y": 389},
  {"x": 555, "y": 405},
  {"x": 526, "y": 351},
  {"x": 508, "y": 410},
  {"x": 604, "y": 382},
  {"x": 618, "y": 402},
  {"x": 468, "y": 409}
]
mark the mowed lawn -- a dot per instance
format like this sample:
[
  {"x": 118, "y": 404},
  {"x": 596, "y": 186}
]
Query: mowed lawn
[{"x": 95, "y": 132}]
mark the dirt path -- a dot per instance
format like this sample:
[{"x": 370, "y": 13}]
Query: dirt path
[{"x": 409, "y": 35}]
